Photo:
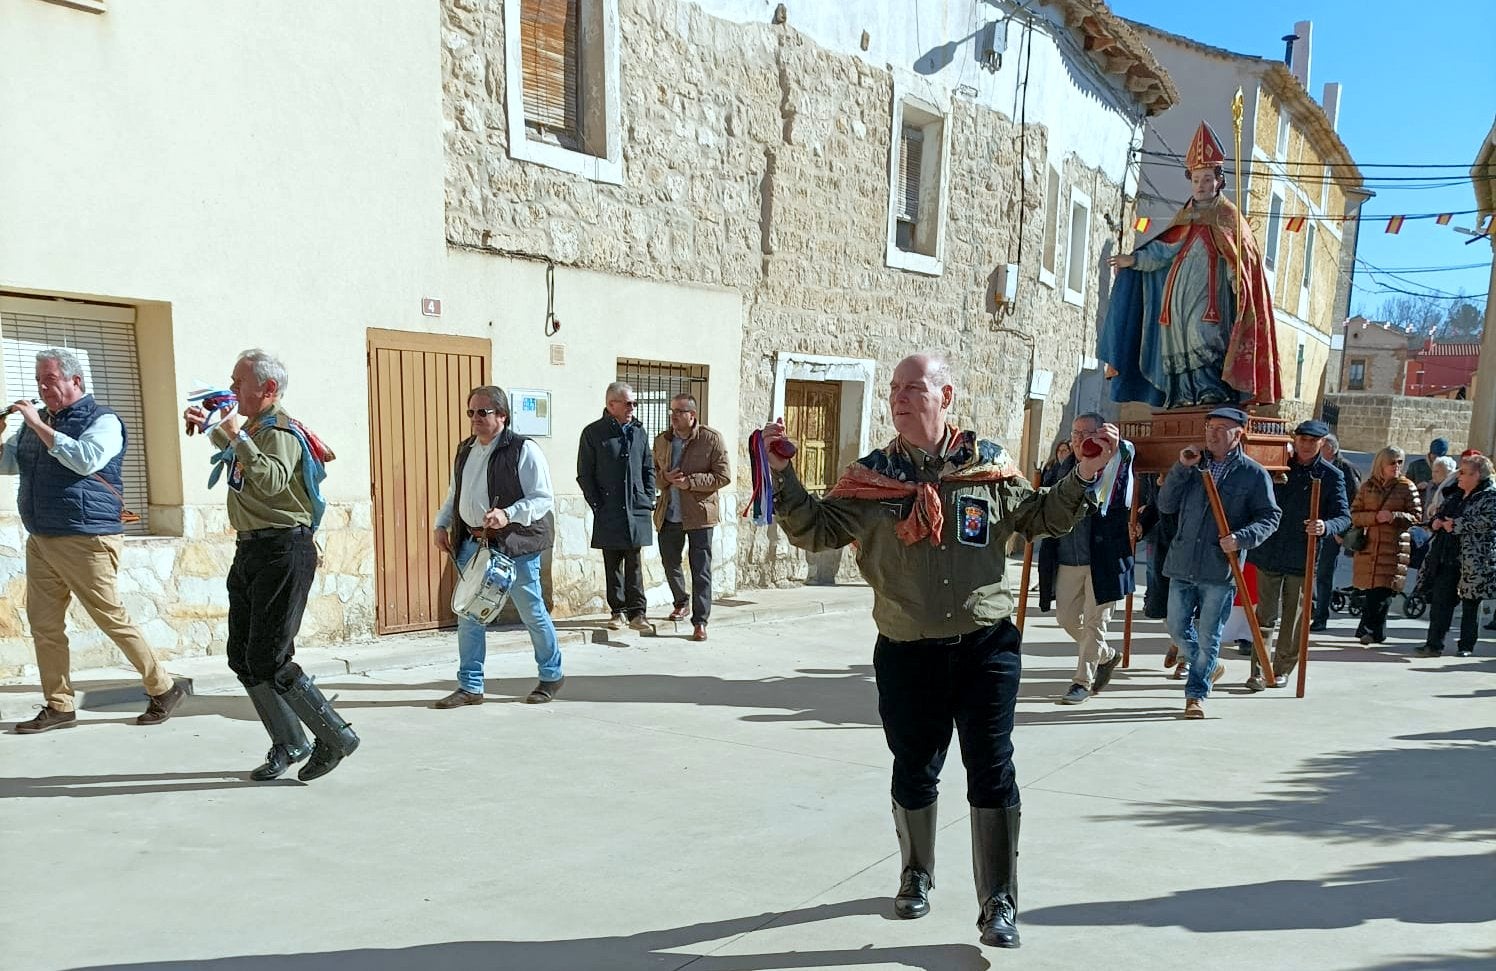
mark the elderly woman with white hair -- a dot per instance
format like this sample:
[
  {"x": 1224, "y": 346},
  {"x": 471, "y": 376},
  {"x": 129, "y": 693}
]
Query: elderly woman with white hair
[{"x": 1465, "y": 534}]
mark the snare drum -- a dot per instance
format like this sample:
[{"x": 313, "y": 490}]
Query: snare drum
[{"x": 483, "y": 587}]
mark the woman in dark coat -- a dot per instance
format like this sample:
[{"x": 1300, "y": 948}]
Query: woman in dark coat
[
  {"x": 1049, "y": 548},
  {"x": 616, "y": 472},
  {"x": 1464, "y": 546},
  {"x": 1386, "y": 506}
]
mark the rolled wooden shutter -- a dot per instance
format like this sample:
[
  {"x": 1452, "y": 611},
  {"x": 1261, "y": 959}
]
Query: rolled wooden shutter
[
  {"x": 549, "y": 61},
  {"x": 911, "y": 150}
]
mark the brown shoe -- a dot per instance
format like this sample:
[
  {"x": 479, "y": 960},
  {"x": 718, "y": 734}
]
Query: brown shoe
[
  {"x": 1194, "y": 708},
  {"x": 162, "y": 705},
  {"x": 459, "y": 698},
  {"x": 544, "y": 691},
  {"x": 1179, "y": 673},
  {"x": 699, "y": 634},
  {"x": 680, "y": 613},
  {"x": 641, "y": 623},
  {"x": 1219, "y": 672},
  {"x": 46, "y": 720},
  {"x": 1172, "y": 658},
  {"x": 615, "y": 622}
]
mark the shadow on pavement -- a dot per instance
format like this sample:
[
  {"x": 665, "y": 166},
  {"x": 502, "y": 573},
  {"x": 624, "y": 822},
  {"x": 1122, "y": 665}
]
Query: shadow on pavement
[
  {"x": 645, "y": 951},
  {"x": 76, "y": 786},
  {"x": 1467, "y": 961},
  {"x": 1436, "y": 790},
  {"x": 1433, "y": 890}
]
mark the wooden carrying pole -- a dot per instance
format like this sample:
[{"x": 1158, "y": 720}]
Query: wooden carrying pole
[
  {"x": 1258, "y": 644},
  {"x": 1307, "y": 602},
  {"x": 1023, "y": 577},
  {"x": 1132, "y": 525}
]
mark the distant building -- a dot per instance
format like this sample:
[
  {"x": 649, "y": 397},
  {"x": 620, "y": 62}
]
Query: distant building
[
  {"x": 1375, "y": 357},
  {"x": 1443, "y": 369}
]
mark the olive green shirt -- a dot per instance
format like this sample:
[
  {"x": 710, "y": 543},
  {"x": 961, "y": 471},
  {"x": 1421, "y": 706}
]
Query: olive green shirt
[
  {"x": 927, "y": 590},
  {"x": 273, "y": 495}
]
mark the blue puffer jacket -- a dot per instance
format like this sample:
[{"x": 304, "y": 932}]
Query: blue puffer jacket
[
  {"x": 1246, "y": 489},
  {"x": 53, "y": 499}
]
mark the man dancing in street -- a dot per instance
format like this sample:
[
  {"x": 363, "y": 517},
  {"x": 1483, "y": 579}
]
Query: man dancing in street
[
  {"x": 275, "y": 503},
  {"x": 932, "y": 513}
]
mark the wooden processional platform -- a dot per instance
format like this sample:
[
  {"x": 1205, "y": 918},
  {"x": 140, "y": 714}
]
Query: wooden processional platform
[{"x": 1160, "y": 439}]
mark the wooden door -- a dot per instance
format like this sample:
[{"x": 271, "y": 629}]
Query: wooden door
[
  {"x": 812, "y": 417},
  {"x": 418, "y": 387}
]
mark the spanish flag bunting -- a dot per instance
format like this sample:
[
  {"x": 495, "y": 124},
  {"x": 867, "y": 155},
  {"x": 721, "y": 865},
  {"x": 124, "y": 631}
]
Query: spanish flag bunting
[
  {"x": 1444, "y": 218},
  {"x": 1296, "y": 224},
  {"x": 1394, "y": 224},
  {"x": 1142, "y": 224}
]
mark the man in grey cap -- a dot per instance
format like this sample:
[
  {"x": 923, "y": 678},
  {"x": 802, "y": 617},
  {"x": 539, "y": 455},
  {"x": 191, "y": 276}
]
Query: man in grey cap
[
  {"x": 1200, "y": 577},
  {"x": 1280, "y": 559}
]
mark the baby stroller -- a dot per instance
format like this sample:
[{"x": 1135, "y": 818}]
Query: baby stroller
[{"x": 1415, "y": 592}]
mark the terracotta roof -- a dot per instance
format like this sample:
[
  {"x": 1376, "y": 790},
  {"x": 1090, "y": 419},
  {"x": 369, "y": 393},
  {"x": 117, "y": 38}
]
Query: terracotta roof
[
  {"x": 1119, "y": 51},
  {"x": 1282, "y": 84}
]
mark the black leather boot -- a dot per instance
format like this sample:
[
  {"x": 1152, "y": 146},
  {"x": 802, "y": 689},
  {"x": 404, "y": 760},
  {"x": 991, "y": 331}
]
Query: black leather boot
[
  {"x": 994, "y": 863},
  {"x": 288, "y": 744},
  {"x": 916, "y": 829},
  {"x": 335, "y": 738}
]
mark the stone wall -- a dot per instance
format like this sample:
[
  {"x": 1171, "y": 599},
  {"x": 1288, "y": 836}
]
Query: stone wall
[
  {"x": 757, "y": 160},
  {"x": 174, "y": 589},
  {"x": 1368, "y": 422}
]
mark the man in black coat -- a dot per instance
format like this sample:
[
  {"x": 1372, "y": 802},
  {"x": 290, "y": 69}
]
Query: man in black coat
[
  {"x": 1280, "y": 559},
  {"x": 1329, "y": 549},
  {"x": 616, "y": 472},
  {"x": 1094, "y": 566}
]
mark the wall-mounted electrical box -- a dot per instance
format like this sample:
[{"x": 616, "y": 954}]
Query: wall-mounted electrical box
[
  {"x": 1005, "y": 284},
  {"x": 992, "y": 43}
]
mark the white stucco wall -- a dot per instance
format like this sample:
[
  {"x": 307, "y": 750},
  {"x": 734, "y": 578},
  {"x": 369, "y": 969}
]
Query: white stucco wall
[
  {"x": 274, "y": 180},
  {"x": 937, "y": 39}
]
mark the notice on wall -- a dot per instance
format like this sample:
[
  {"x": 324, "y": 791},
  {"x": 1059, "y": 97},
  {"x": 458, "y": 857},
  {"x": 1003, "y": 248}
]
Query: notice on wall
[{"x": 530, "y": 412}]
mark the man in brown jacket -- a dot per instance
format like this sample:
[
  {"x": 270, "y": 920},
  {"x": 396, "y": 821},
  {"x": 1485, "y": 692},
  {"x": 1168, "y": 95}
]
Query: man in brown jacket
[{"x": 691, "y": 466}]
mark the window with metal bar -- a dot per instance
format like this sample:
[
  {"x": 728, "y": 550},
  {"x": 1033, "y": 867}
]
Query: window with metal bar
[
  {"x": 549, "y": 56},
  {"x": 656, "y": 382},
  {"x": 111, "y": 373}
]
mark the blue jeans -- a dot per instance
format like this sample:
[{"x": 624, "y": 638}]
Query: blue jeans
[
  {"x": 472, "y": 646},
  {"x": 1199, "y": 638}
]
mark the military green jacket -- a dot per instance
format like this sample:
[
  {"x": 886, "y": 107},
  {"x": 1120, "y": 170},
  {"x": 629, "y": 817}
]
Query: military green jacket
[
  {"x": 268, "y": 491},
  {"x": 930, "y": 590}
]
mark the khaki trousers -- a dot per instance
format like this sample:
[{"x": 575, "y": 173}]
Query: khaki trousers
[
  {"x": 59, "y": 568},
  {"x": 1084, "y": 619},
  {"x": 1278, "y": 596}
]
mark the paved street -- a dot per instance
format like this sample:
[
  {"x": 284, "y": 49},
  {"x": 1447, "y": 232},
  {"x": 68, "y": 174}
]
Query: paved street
[{"x": 724, "y": 807}]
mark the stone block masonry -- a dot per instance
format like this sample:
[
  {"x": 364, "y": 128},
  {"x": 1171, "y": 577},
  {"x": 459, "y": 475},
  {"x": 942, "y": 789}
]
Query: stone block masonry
[
  {"x": 1369, "y": 422},
  {"x": 757, "y": 160}
]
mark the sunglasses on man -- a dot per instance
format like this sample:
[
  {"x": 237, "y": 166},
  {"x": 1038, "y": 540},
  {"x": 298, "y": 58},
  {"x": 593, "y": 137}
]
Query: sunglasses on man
[{"x": 481, "y": 412}]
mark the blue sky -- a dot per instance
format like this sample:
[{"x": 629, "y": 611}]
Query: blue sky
[{"x": 1419, "y": 85}]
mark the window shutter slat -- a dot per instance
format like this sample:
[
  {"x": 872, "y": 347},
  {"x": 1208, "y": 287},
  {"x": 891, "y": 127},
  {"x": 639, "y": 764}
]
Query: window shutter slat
[
  {"x": 549, "y": 63},
  {"x": 911, "y": 151}
]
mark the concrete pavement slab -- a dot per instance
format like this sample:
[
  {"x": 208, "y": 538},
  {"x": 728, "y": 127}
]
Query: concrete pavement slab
[{"x": 724, "y": 806}]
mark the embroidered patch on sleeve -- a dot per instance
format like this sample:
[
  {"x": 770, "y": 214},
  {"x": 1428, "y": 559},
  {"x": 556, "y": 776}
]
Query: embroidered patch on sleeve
[{"x": 973, "y": 520}]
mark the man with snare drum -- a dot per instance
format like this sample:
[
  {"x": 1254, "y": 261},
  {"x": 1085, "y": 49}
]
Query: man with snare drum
[{"x": 500, "y": 495}]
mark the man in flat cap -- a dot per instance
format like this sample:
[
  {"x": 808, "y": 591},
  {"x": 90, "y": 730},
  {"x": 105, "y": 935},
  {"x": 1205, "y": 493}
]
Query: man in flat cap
[
  {"x": 1200, "y": 577},
  {"x": 1280, "y": 560}
]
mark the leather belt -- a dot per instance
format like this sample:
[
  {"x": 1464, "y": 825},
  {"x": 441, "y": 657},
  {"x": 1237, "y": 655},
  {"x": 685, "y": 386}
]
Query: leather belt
[
  {"x": 482, "y": 534},
  {"x": 251, "y": 535}
]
